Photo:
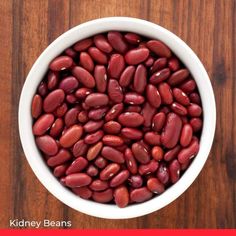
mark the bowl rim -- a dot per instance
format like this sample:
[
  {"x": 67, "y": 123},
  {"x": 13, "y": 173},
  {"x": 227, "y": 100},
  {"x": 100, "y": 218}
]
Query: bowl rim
[{"x": 87, "y": 29}]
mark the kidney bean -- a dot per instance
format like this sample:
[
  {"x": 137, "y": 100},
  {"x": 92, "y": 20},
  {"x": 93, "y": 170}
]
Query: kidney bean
[
  {"x": 53, "y": 100},
  {"x": 148, "y": 112},
  {"x": 130, "y": 161},
  {"x": 186, "y": 135},
  {"x": 155, "y": 186},
  {"x": 83, "y": 45},
  {"x": 195, "y": 98},
  {"x": 178, "y": 109},
  {"x": 86, "y": 61},
  {"x": 178, "y": 77},
  {"x": 97, "y": 113},
  {"x": 60, "y": 158},
  {"x": 189, "y": 152},
  {"x": 174, "y": 169},
  {"x": 159, "y": 48},
  {"x": 157, "y": 153},
  {"x": 140, "y": 79},
  {"x": 101, "y": 43},
  {"x": 116, "y": 65},
  {"x": 149, "y": 62},
  {"x": 166, "y": 93},
  {"x": 83, "y": 76},
  {"x": 152, "y": 138},
  {"x": 100, "y": 162},
  {"x": 103, "y": 197},
  {"x": 163, "y": 173},
  {"x": 99, "y": 185},
  {"x": 132, "y": 38},
  {"x": 165, "y": 110},
  {"x": 52, "y": 80},
  {"x": 172, "y": 130},
  {"x": 131, "y": 119},
  {"x": 133, "y": 98},
  {"x": 119, "y": 179},
  {"x": 69, "y": 84},
  {"x": 92, "y": 170},
  {"x": 79, "y": 148},
  {"x": 136, "y": 181},
  {"x": 83, "y": 192},
  {"x": 113, "y": 155},
  {"x": 42, "y": 124},
  {"x": 153, "y": 96},
  {"x": 100, "y": 78},
  {"x": 83, "y": 116},
  {"x": 61, "y": 110},
  {"x": 181, "y": 97},
  {"x": 158, "y": 121},
  {"x": 71, "y": 52},
  {"x": 188, "y": 86},
  {"x": 158, "y": 65},
  {"x": 36, "y": 106},
  {"x": 71, "y": 136},
  {"x": 82, "y": 93},
  {"x": 94, "y": 151},
  {"x": 71, "y": 117},
  {"x": 112, "y": 127},
  {"x": 56, "y": 128},
  {"x": 136, "y": 56},
  {"x": 78, "y": 180},
  {"x": 127, "y": 76},
  {"x": 140, "y": 194},
  {"x": 96, "y": 100},
  {"x": 109, "y": 171},
  {"x": 140, "y": 153},
  {"x": 173, "y": 64},
  {"x": 97, "y": 55},
  {"x": 112, "y": 140},
  {"x": 160, "y": 76},
  {"x": 47, "y": 145},
  {"x": 117, "y": 41},
  {"x": 94, "y": 137},
  {"x": 131, "y": 133},
  {"x": 145, "y": 169},
  {"x": 185, "y": 165},
  {"x": 121, "y": 196},
  {"x": 196, "y": 124},
  {"x": 114, "y": 112},
  {"x": 43, "y": 89},
  {"x": 71, "y": 98},
  {"x": 115, "y": 92},
  {"x": 60, "y": 170},
  {"x": 194, "y": 110},
  {"x": 61, "y": 63},
  {"x": 92, "y": 126},
  {"x": 77, "y": 165},
  {"x": 172, "y": 153}
]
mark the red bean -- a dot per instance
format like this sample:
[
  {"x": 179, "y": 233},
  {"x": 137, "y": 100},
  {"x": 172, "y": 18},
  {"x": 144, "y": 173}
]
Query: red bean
[
  {"x": 69, "y": 84},
  {"x": 117, "y": 41},
  {"x": 94, "y": 151},
  {"x": 60, "y": 170},
  {"x": 153, "y": 96},
  {"x": 97, "y": 55},
  {"x": 56, "y": 128},
  {"x": 97, "y": 113},
  {"x": 194, "y": 110},
  {"x": 43, "y": 89},
  {"x": 112, "y": 127},
  {"x": 136, "y": 56},
  {"x": 159, "y": 64},
  {"x": 61, "y": 63},
  {"x": 101, "y": 43},
  {"x": 132, "y": 38},
  {"x": 77, "y": 165},
  {"x": 178, "y": 77},
  {"x": 86, "y": 61},
  {"x": 83, "y": 76},
  {"x": 157, "y": 153},
  {"x": 186, "y": 135},
  {"x": 113, "y": 155},
  {"x": 100, "y": 76},
  {"x": 37, "y": 106},
  {"x": 131, "y": 119},
  {"x": 102, "y": 197},
  {"x": 158, "y": 121},
  {"x": 130, "y": 161},
  {"x": 78, "y": 180},
  {"x": 112, "y": 140},
  {"x": 47, "y": 145},
  {"x": 140, "y": 153},
  {"x": 133, "y": 98},
  {"x": 136, "y": 181},
  {"x": 178, "y": 109},
  {"x": 83, "y": 116},
  {"x": 159, "y": 48},
  {"x": 52, "y": 80},
  {"x": 163, "y": 173},
  {"x": 71, "y": 117},
  {"x": 121, "y": 196},
  {"x": 109, "y": 171},
  {"x": 96, "y": 100},
  {"x": 119, "y": 179},
  {"x": 145, "y": 169},
  {"x": 140, "y": 194},
  {"x": 83, "y": 45},
  {"x": 116, "y": 65},
  {"x": 99, "y": 185},
  {"x": 196, "y": 124},
  {"x": 115, "y": 92},
  {"x": 92, "y": 126},
  {"x": 94, "y": 137},
  {"x": 60, "y": 158},
  {"x": 188, "y": 152},
  {"x": 188, "y": 86},
  {"x": 155, "y": 186},
  {"x": 172, "y": 130},
  {"x": 152, "y": 138},
  {"x": 82, "y": 93},
  {"x": 83, "y": 192},
  {"x": 114, "y": 112},
  {"x": 71, "y": 136},
  {"x": 172, "y": 153},
  {"x": 100, "y": 162},
  {"x": 79, "y": 148},
  {"x": 43, "y": 124},
  {"x": 174, "y": 170},
  {"x": 173, "y": 64},
  {"x": 127, "y": 76},
  {"x": 92, "y": 170},
  {"x": 71, "y": 52},
  {"x": 148, "y": 112},
  {"x": 195, "y": 98},
  {"x": 131, "y": 133},
  {"x": 140, "y": 79},
  {"x": 160, "y": 76},
  {"x": 181, "y": 97},
  {"x": 166, "y": 93}
]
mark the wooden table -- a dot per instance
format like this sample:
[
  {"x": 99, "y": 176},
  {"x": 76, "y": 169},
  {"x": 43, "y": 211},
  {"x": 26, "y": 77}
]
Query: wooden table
[{"x": 208, "y": 27}]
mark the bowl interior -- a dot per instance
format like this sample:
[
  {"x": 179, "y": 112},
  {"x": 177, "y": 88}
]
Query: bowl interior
[{"x": 147, "y": 29}]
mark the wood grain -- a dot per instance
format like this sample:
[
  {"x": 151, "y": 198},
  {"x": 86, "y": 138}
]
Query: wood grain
[{"x": 207, "y": 26}]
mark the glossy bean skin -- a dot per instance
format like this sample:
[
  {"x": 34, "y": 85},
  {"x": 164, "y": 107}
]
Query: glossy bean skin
[
  {"x": 172, "y": 153},
  {"x": 127, "y": 76},
  {"x": 112, "y": 127},
  {"x": 97, "y": 55},
  {"x": 113, "y": 155},
  {"x": 174, "y": 169},
  {"x": 56, "y": 128},
  {"x": 132, "y": 133},
  {"x": 155, "y": 186},
  {"x": 69, "y": 84},
  {"x": 166, "y": 93},
  {"x": 101, "y": 43},
  {"x": 121, "y": 196},
  {"x": 186, "y": 135},
  {"x": 178, "y": 77},
  {"x": 148, "y": 112},
  {"x": 140, "y": 153},
  {"x": 77, "y": 180},
  {"x": 112, "y": 140},
  {"x": 158, "y": 121},
  {"x": 61, "y": 63},
  {"x": 140, "y": 79},
  {"x": 103, "y": 197},
  {"x": 109, "y": 171},
  {"x": 83, "y": 76},
  {"x": 117, "y": 41},
  {"x": 83, "y": 192},
  {"x": 160, "y": 76},
  {"x": 158, "y": 64},
  {"x": 140, "y": 194},
  {"x": 83, "y": 45},
  {"x": 136, "y": 56},
  {"x": 43, "y": 124},
  {"x": 120, "y": 178},
  {"x": 94, "y": 151},
  {"x": 77, "y": 165},
  {"x": 47, "y": 145},
  {"x": 153, "y": 96},
  {"x": 159, "y": 48},
  {"x": 100, "y": 76},
  {"x": 114, "y": 112},
  {"x": 151, "y": 167},
  {"x": 115, "y": 92},
  {"x": 60, "y": 158},
  {"x": 86, "y": 61},
  {"x": 79, "y": 148},
  {"x": 131, "y": 119},
  {"x": 36, "y": 106},
  {"x": 116, "y": 66},
  {"x": 130, "y": 161}
]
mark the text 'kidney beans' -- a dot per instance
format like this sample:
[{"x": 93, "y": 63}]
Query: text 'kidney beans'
[{"x": 116, "y": 117}]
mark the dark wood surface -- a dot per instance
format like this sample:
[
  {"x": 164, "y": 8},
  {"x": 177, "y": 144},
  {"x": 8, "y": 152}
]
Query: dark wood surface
[{"x": 208, "y": 26}]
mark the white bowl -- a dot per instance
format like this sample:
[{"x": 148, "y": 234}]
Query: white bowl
[{"x": 150, "y": 30}]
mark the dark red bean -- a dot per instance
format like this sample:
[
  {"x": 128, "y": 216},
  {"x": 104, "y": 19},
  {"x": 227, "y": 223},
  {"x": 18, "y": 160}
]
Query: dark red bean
[
  {"x": 178, "y": 77},
  {"x": 113, "y": 155},
  {"x": 121, "y": 196},
  {"x": 159, "y": 64},
  {"x": 159, "y": 48},
  {"x": 172, "y": 153},
  {"x": 158, "y": 121},
  {"x": 116, "y": 65},
  {"x": 100, "y": 76},
  {"x": 148, "y": 112},
  {"x": 47, "y": 145},
  {"x": 166, "y": 93},
  {"x": 140, "y": 194},
  {"x": 117, "y": 41},
  {"x": 61, "y": 63},
  {"x": 60, "y": 158},
  {"x": 77, "y": 165},
  {"x": 115, "y": 92},
  {"x": 97, "y": 55},
  {"x": 127, "y": 76},
  {"x": 131, "y": 119},
  {"x": 83, "y": 45},
  {"x": 160, "y": 76},
  {"x": 140, "y": 153},
  {"x": 140, "y": 79},
  {"x": 136, "y": 56},
  {"x": 130, "y": 161},
  {"x": 153, "y": 96},
  {"x": 83, "y": 192},
  {"x": 101, "y": 43}
]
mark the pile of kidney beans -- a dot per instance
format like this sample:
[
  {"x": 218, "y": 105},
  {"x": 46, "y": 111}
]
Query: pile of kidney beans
[{"x": 117, "y": 118}]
